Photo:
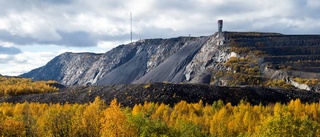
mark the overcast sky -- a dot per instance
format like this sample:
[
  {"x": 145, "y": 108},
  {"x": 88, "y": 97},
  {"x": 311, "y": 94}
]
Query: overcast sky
[{"x": 32, "y": 32}]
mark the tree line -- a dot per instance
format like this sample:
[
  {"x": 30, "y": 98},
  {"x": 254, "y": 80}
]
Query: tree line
[{"x": 153, "y": 119}]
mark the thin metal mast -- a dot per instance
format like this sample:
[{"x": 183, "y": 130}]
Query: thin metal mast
[{"x": 131, "y": 25}]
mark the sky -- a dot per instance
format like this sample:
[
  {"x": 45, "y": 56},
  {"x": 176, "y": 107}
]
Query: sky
[{"x": 32, "y": 32}]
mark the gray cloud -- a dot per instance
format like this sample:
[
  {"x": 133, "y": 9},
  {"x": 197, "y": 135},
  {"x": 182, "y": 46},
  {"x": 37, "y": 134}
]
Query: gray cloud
[
  {"x": 77, "y": 24},
  {"x": 84, "y": 23},
  {"x": 58, "y": 1},
  {"x": 9, "y": 50},
  {"x": 6, "y": 60},
  {"x": 76, "y": 39},
  {"x": 19, "y": 40}
]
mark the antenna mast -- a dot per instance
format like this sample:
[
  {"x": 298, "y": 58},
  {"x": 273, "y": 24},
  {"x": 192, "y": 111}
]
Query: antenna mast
[{"x": 131, "y": 25}]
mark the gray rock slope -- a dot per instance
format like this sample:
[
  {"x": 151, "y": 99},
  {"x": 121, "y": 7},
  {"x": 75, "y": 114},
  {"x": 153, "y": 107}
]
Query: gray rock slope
[
  {"x": 67, "y": 68},
  {"x": 151, "y": 60},
  {"x": 128, "y": 72},
  {"x": 172, "y": 69}
]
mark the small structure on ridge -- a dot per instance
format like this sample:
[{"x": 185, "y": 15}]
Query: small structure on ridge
[{"x": 220, "y": 25}]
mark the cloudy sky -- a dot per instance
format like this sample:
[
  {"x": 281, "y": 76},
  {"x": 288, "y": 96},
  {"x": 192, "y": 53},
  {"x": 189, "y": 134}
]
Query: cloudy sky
[{"x": 32, "y": 32}]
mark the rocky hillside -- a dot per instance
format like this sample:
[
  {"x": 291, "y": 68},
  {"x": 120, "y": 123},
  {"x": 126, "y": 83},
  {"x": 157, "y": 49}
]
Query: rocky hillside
[
  {"x": 67, "y": 68},
  {"x": 121, "y": 65},
  {"x": 228, "y": 58},
  {"x": 182, "y": 59}
]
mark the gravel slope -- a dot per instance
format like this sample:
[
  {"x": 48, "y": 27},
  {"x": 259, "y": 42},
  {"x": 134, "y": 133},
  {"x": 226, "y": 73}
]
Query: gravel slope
[{"x": 128, "y": 95}]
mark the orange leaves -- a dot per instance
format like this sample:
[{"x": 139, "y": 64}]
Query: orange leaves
[{"x": 11, "y": 127}]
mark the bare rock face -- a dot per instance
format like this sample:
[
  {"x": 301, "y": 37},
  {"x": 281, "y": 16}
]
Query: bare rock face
[
  {"x": 121, "y": 65},
  {"x": 211, "y": 55},
  {"x": 67, "y": 68}
]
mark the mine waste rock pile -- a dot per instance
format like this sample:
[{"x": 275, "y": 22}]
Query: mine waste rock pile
[{"x": 222, "y": 59}]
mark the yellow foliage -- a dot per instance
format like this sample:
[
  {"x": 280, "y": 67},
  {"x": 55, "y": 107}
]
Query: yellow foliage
[
  {"x": 114, "y": 122},
  {"x": 20, "y": 86},
  {"x": 307, "y": 81},
  {"x": 151, "y": 119},
  {"x": 12, "y": 127},
  {"x": 147, "y": 86},
  {"x": 137, "y": 109},
  {"x": 279, "y": 83},
  {"x": 162, "y": 112}
]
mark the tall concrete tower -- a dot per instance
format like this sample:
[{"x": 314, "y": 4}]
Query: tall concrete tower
[{"x": 220, "y": 25}]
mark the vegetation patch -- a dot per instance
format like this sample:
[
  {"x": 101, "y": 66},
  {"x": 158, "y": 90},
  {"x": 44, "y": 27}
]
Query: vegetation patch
[
  {"x": 243, "y": 70},
  {"x": 147, "y": 86},
  {"x": 12, "y": 86},
  {"x": 281, "y": 52},
  {"x": 307, "y": 81},
  {"x": 278, "y": 83},
  {"x": 158, "y": 119}
]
